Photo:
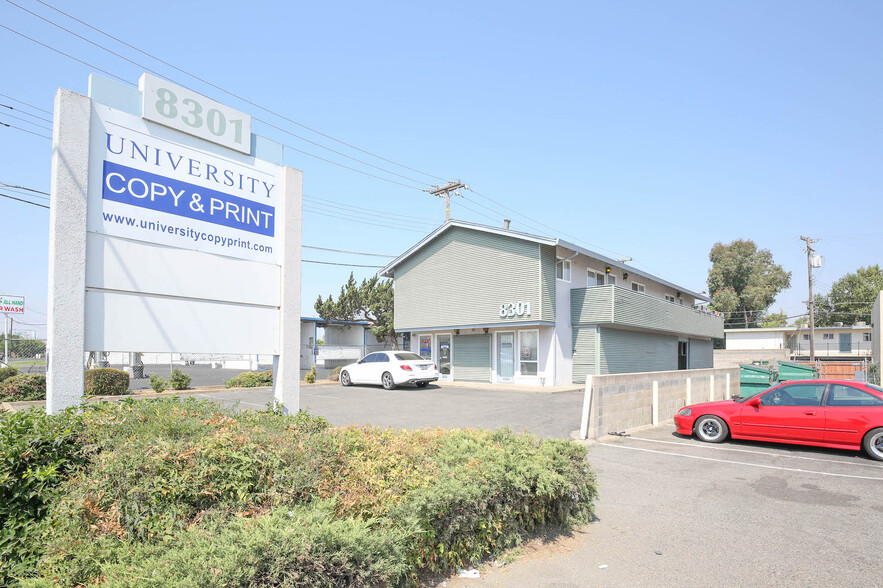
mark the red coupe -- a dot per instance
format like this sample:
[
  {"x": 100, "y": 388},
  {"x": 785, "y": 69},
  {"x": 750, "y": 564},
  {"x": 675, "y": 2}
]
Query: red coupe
[{"x": 825, "y": 413}]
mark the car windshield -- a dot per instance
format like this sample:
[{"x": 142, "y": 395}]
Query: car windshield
[
  {"x": 741, "y": 398},
  {"x": 873, "y": 387},
  {"x": 408, "y": 357}
]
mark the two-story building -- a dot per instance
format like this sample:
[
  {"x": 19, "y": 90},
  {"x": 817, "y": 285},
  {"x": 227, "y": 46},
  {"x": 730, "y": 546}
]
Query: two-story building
[{"x": 490, "y": 304}]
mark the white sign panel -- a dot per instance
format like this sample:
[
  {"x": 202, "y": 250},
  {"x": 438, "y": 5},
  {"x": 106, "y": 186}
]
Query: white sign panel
[
  {"x": 180, "y": 192},
  {"x": 182, "y": 109},
  {"x": 12, "y": 304}
]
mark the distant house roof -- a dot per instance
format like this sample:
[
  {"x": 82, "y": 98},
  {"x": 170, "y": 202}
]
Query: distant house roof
[
  {"x": 323, "y": 322},
  {"x": 388, "y": 270}
]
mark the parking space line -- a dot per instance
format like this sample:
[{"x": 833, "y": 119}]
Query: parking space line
[
  {"x": 718, "y": 447},
  {"x": 753, "y": 465}
]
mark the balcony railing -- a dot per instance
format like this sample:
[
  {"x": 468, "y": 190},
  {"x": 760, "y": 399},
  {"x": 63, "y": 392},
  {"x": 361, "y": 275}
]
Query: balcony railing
[{"x": 618, "y": 306}]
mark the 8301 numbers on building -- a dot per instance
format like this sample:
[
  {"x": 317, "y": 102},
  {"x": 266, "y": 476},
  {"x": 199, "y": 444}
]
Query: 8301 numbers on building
[{"x": 512, "y": 309}]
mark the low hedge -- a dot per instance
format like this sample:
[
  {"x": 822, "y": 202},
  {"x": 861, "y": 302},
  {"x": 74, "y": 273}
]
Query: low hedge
[
  {"x": 23, "y": 387},
  {"x": 184, "y": 493},
  {"x": 107, "y": 382},
  {"x": 250, "y": 379},
  {"x": 7, "y": 372}
]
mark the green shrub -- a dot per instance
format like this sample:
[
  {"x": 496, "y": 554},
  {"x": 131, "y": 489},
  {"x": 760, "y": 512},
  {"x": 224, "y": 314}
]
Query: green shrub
[
  {"x": 158, "y": 383},
  {"x": 37, "y": 452},
  {"x": 187, "y": 493},
  {"x": 23, "y": 387},
  {"x": 334, "y": 375},
  {"x": 179, "y": 380},
  {"x": 251, "y": 379},
  {"x": 7, "y": 372},
  {"x": 106, "y": 382},
  {"x": 874, "y": 373},
  {"x": 310, "y": 378}
]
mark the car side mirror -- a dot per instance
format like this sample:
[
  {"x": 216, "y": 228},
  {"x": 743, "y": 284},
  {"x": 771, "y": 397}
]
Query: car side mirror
[{"x": 754, "y": 401}]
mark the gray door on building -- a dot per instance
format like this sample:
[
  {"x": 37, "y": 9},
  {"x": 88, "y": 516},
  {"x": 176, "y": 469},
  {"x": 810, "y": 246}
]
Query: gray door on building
[
  {"x": 444, "y": 357},
  {"x": 505, "y": 357},
  {"x": 846, "y": 342},
  {"x": 472, "y": 358}
]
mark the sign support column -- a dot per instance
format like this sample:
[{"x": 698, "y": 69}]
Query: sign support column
[
  {"x": 286, "y": 366},
  {"x": 66, "y": 317}
]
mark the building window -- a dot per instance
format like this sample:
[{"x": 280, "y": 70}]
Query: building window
[
  {"x": 806, "y": 337},
  {"x": 866, "y": 337},
  {"x": 828, "y": 336},
  {"x": 562, "y": 270},
  {"x": 681, "y": 301},
  {"x": 669, "y": 298},
  {"x": 638, "y": 287},
  {"x": 528, "y": 342},
  {"x": 611, "y": 279},
  {"x": 595, "y": 279}
]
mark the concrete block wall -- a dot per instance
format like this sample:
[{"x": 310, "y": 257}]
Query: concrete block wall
[
  {"x": 733, "y": 357},
  {"x": 625, "y": 401}
]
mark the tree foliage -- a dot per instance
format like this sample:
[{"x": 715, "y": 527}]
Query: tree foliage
[
  {"x": 851, "y": 298},
  {"x": 774, "y": 319},
  {"x": 372, "y": 300},
  {"x": 744, "y": 281}
]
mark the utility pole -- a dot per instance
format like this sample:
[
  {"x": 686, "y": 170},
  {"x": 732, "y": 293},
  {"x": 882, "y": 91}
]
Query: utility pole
[
  {"x": 812, "y": 302},
  {"x": 445, "y": 192}
]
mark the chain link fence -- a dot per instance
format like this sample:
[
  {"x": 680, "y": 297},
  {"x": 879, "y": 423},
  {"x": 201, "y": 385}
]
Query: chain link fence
[{"x": 28, "y": 356}]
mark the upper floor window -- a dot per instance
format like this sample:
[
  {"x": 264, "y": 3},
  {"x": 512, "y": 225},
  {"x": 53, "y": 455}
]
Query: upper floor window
[
  {"x": 866, "y": 337},
  {"x": 828, "y": 336},
  {"x": 562, "y": 270},
  {"x": 680, "y": 301},
  {"x": 670, "y": 298},
  {"x": 611, "y": 279},
  {"x": 638, "y": 287},
  {"x": 595, "y": 278}
]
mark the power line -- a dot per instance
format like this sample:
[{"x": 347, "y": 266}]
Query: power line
[
  {"x": 350, "y": 252},
  {"x": 220, "y": 89},
  {"x": 334, "y": 204},
  {"x": 5, "y": 185},
  {"x": 341, "y": 264},
  {"x": 359, "y": 220},
  {"x": 22, "y": 200},
  {"x": 38, "y": 117},
  {"x": 21, "y": 129},
  {"x": 40, "y": 126},
  {"x": 87, "y": 64},
  {"x": 26, "y": 104}
]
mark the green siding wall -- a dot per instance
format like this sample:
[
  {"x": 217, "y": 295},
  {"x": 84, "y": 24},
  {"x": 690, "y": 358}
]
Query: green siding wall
[
  {"x": 585, "y": 348},
  {"x": 631, "y": 351},
  {"x": 547, "y": 282},
  {"x": 471, "y": 273},
  {"x": 472, "y": 358},
  {"x": 701, "y": 354}
]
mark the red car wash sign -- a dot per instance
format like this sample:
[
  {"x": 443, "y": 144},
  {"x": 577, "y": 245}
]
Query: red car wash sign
[{"x": 12, "y": 304}]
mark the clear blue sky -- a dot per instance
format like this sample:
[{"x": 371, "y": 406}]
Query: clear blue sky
[{"x": 648, "y": 130}]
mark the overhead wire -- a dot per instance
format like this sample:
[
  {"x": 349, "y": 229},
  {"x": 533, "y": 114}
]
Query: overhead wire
[
  {"x": 140, "y": 65},
  {"x": 23, "y": 200},
  {"x": 343, "y": 251},
  {"x": 23, "y": 130},
  {"x": 26, "y": 104},
  {"x": 25, "y": 112}
]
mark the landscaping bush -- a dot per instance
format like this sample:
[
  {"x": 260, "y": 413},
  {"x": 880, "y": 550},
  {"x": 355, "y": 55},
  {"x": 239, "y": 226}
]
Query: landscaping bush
[
  {"x": 106, "y": 382},
  {"x": 23, "y": 387},
  {"x": 158, "y": 383},
  {"x": 7, "y": 372},
  {"x": 310, "y": 378},
  {"x": 179, "y": 380},
  {"x": 334, "y": 375},
  {"x": 37, "y": 451},
  {"x": 185, "y": 493},
  {"x": 251, "y": 379}
]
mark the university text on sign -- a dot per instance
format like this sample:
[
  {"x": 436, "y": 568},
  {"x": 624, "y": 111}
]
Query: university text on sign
[
  {"x": 182, "y": 194},
  {"x": 12, "y": 304}
]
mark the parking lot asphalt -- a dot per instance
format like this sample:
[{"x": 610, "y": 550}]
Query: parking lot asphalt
[
  {"x": 545, "y": 414},
  {"x": 677, "y": 512}
]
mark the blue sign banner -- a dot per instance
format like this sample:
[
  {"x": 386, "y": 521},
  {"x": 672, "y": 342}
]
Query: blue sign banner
[{"x": 154, "y": 192}]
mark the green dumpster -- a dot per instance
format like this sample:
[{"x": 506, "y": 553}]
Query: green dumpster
[
  {"x": 795, "y": 371},
  {"x": 753, "y": 379}
]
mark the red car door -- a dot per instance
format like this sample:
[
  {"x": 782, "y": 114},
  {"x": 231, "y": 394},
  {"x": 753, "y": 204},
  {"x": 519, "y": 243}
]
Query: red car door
[
  {"x": 849, "y": 412},
  {"x": 789, "y": 412}
]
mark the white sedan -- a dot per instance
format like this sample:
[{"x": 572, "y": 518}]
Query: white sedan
[{"x": 390, "y": 369}]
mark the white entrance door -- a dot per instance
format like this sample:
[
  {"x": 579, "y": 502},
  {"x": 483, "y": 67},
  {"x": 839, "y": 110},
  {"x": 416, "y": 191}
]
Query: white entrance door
[{"x": 505, "y": 357}]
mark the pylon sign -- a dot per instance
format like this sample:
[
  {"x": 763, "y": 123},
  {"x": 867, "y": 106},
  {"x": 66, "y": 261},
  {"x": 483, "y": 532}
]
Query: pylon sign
[{"x": 173, "y": 227}]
